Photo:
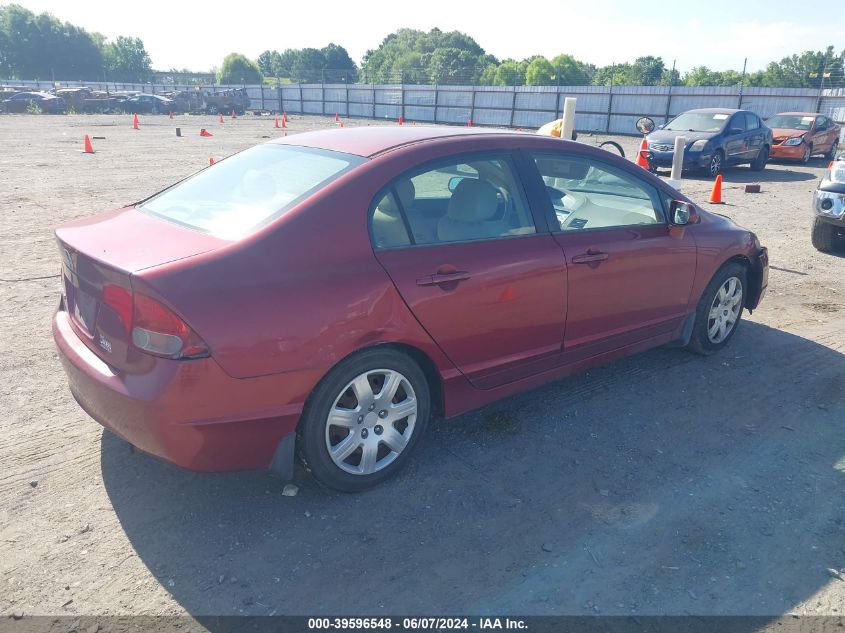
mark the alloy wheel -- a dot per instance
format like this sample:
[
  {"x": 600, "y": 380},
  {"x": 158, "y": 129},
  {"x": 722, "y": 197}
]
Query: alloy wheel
[
  {"x": 371, "y": 421},
  {"x": 725, "y": 310},
  {"x": 716, "y": 164}
]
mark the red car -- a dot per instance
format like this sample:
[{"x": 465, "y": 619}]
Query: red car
[
  {"x": 331, "y": 292},
  {"x": 802, "y": 135}
]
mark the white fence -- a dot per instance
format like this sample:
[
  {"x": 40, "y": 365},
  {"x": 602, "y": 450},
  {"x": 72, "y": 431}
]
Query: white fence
[{"x": 612, "y": 109}]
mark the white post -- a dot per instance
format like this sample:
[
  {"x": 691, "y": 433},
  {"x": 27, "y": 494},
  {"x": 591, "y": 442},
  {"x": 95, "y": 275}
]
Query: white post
[
  {"x": 568, "y": 118},
  {"x": 678, "y": 162}
]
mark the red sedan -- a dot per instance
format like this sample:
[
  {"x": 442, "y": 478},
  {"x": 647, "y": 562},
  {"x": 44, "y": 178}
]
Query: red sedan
[{"x": 329, "y": 293}]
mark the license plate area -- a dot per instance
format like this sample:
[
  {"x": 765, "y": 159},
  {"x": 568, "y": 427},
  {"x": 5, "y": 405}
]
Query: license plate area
[{"x": 82, "y": 305}]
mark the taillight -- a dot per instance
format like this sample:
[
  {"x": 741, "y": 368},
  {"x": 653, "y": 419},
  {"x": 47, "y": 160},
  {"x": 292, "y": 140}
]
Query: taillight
[
  {"x": 157, "y": 330},
  {"x": 120, "y": 300},
  {"x": 154, "y": 328}
]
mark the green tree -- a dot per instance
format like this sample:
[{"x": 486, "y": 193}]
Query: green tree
[
  {"x": 540, "y": 72},
  {"x": 571, "y": 72},
  {"x": 308, "y": 65},
  {"x": 338, "y": 64},
  {"x": 238, "y": 69},
  {"x": 509, "y": 73},
  {"x": 269, "y": 63},
  {"x": 126, "y": 59},
  {"x": 444, "y": 57}
]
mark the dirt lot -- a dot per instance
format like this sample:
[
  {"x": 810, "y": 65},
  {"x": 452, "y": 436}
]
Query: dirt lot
[{"x": 662, "y": 484}]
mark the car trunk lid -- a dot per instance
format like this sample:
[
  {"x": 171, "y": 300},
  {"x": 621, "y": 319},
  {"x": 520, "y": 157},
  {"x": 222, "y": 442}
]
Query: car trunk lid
[{"x": 99, "y": 256}]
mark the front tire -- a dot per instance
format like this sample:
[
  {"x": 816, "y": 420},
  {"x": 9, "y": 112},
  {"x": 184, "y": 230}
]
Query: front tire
[
  {"x": 717, "y": 164},
  {"x": 364, "y": 420},
  {"x": 831, "y": 153},
  {"x": 808, "y": 153},
  {"x": 824, "y": 236},
  {"x": 719, "y": 309}
]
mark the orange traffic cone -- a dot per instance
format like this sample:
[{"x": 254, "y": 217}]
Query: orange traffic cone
[
  {"x": 341, "y": 124},
  {"x": 171, "y": 115},
  {"x": 88, "y": 148},
  {"x": 210, "y": 161},
  {"x": 716, "y": 194},
  {"x": 204, "y": 132},
  {"x": 284, "y": 121},
  {"x": 221, "y": 117},
  {"x": 336, "y": 116},
  {"x": 400, "y": 120},
  {"x": 469, "y": 123},
  {"x": 277, "y": 123},
  {"x": 234, "y": 116},
  {"x": 642, "y": 161},
  {"x": 135, "y": 121}
]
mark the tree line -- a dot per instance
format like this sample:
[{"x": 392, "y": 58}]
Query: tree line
[{"x": 43, "y": 47}]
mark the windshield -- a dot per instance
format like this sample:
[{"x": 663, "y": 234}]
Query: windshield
[
  {"x": 247, "y": 190},
  {"x": 791, "y": 122},
  {"x": 698, "y": 122}
]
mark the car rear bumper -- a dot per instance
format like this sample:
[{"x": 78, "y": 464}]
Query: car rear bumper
[
  {"x": 190, "y": 413},
  {"x": 788, "y": 152}
]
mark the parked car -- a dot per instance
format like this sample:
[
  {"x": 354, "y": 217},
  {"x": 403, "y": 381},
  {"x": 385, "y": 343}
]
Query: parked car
[
  {"x": 25, "y": 101},
  {"x": 828, "y": 234},
  {"x": 801, "y": 135},
  {"x": 226, "y": 101},
  {"x": 151, "y": 104},
  {"x": 334, "y": 290},
  {"x": 716, "y": 138}
]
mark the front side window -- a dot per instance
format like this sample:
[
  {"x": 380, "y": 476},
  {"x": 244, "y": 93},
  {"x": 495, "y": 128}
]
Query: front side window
[
  {"x": 589, "y": 195},
  {"x": 472, "y": 200},
  {"x": 249, "y": 189}
]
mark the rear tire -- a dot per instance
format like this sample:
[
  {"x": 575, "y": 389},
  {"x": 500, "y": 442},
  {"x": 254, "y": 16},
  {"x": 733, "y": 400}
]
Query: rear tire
[
  {"x": 722, "y": 302},
  {"x": 824, "y": 236},
  {"x": 759, "y": 163},
  {"x": 364, "y": 419}
]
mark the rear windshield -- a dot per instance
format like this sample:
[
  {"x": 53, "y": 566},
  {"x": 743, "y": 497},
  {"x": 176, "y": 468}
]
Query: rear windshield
[
  {"x": 698, "y": 122},
  {"x": 248, "y": 190}
]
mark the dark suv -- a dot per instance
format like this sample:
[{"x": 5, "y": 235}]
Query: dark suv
[{"x": 715, "y": 138}]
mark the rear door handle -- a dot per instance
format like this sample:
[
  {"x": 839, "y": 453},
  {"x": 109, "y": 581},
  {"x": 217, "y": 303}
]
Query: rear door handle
[
  {"x": 587, "y": 258},
  {"x": 443, "y": 278}
]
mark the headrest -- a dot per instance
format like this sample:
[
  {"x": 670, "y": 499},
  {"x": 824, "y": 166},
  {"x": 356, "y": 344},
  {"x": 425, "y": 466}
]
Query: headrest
[
  {"x": 473, "y": 201},
  {"x": 406, "y": 191}
]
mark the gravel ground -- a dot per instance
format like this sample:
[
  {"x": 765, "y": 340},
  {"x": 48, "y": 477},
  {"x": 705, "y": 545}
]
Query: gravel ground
[{"x": 665, "y": 483}]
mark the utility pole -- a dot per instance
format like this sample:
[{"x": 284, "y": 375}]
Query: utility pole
[{"x": 742, "y": 83}]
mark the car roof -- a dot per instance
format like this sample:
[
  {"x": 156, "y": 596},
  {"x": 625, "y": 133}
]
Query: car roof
[
  {"x": 715, "y": 110},
  {"x": 813, "y": 114},
  {"x": 372, "y": 140}
]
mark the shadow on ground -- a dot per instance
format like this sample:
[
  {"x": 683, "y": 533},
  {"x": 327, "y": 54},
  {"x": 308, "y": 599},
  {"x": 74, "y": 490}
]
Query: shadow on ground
[{"x": 665, "y": 483}]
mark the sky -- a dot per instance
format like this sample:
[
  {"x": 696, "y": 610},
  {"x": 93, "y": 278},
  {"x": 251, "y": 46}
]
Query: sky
[{"x": 719, "y": 34}]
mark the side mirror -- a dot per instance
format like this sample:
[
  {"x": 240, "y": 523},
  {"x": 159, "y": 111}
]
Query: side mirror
[
  {"x": 645, "y": 125},
  {"x": 682, "y": 213}
]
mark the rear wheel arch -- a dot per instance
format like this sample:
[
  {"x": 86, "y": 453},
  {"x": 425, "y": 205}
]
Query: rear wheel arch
[{"x": 423, "y": 360}]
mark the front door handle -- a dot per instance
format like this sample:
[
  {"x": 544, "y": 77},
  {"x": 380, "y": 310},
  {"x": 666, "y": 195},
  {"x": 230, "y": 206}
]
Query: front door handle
[
  {"x": 588, "y": 258},
  {"x": 443, "y": 278}
]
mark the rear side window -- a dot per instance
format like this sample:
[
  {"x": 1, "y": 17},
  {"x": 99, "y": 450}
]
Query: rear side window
[
  {"x": 250, "y": 189},
  {"x": 474, "y": 199},
  {"x": 751, "y": 121}
]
